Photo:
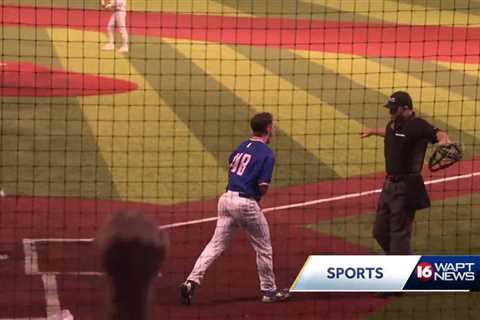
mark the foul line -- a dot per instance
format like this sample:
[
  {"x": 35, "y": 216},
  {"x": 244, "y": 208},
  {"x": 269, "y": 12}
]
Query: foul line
[
  {"x": 323, "y": 200},
  {"x": 31, "y": 257},
  {"x": 51, "y": 295},
  {"x": 49, "y": 278},
  {"x": 280, "y": 208}
]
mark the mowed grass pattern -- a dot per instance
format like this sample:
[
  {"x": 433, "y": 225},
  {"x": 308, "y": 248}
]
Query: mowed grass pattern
[{"x": 168, "y": 141}]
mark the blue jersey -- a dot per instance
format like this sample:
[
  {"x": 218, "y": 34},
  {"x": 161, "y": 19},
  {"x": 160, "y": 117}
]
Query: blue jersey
[{"x": 251, "y": 165}]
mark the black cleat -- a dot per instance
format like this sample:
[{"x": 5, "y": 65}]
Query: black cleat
[
  {"x": 275, "y": 296},
  {"x": 186, "y": 292}
]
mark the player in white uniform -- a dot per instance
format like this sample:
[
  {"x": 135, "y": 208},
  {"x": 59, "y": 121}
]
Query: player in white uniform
[
  {"x": 250, "y": 171},
  {"x": 118, "y": 19}
]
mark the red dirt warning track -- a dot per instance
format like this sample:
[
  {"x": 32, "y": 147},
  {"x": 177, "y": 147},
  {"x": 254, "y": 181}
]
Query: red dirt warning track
[
  {"x": 230, "y": 290},
  {"x": 29, "y": 80},
  {"x": 442, "y": 43}
]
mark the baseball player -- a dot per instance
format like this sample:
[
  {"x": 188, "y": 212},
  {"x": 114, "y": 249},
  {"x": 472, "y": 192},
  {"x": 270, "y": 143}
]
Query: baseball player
[
  {"x": 250, "y": 171},
  {"x": 406, "y": 138},
  {"x": 118, "y": 19}
]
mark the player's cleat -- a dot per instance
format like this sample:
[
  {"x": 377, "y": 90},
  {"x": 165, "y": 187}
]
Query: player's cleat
[
  {"x": 62, "y": 315},
  {"x": 108, "y": 47},
  {"x": 186, "y": 292},
  {"x": 275, "y": 296},
  {"x": 123, "y": 48}
]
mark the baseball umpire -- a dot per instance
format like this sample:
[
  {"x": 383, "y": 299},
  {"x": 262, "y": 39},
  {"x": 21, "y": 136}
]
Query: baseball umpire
[{"x": 406, "y": 138}]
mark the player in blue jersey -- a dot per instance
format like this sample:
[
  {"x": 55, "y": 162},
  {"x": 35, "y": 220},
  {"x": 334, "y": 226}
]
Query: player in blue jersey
[{"x": 249, "y": 175}]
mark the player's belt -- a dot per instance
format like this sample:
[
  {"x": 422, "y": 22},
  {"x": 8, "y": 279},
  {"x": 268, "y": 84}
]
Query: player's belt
[{"x": 243, "y": 195}]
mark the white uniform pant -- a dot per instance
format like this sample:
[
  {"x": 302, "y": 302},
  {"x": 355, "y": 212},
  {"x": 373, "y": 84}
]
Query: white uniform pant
[
  {"x": 118, "y": 19},
  {"x": 234, "y": 212}
]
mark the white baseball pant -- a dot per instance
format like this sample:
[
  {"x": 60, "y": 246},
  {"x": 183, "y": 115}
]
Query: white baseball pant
[
  {"x": 234, "y": 212},
  {"x": 118, "y": 19}
]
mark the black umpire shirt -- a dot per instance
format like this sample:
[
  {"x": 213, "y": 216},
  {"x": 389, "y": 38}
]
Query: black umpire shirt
[{"x": 405, "y": 146}]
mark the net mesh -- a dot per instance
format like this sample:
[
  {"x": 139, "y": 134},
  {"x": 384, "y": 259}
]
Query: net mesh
[{"x": 88, "y": 130}]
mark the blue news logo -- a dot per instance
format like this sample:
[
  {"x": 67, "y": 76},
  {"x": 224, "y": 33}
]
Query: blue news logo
[
  {"x": 389, "y": 273},
  {"x": 445, "y": 271},
  {"x": 355, "y": 273}
]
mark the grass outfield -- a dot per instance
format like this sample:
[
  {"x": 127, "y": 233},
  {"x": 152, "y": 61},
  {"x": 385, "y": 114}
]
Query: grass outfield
[
  {"x": 446, "y": 12},
  {"x": 449, "y": 227},
  {"x": 168, "y": 141}
]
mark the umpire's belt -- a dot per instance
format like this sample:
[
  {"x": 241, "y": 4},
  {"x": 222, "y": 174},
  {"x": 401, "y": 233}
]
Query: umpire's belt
[{"x": 399, "y": 177}]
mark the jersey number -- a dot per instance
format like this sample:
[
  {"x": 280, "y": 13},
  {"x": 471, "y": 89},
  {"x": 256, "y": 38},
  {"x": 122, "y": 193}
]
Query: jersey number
[{"x": 239, "y": 163}]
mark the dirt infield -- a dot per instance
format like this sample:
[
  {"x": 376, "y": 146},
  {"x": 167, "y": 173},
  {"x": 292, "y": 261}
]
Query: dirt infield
[
  {"x": 456, "y": 44},
  {"x": 51, "y": 263},
  {"x": 21, "y": 79},
  {"x": 230, "y": 289}
]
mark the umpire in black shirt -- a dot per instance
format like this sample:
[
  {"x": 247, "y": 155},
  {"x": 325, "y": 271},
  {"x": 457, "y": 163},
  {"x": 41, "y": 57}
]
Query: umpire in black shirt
[{"x": 406, "y": 138}]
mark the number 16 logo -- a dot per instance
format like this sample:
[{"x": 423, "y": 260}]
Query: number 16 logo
[{"x": 424, "y": 271}]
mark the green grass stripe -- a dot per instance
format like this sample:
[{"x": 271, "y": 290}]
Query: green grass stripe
[
  {"x": 319, "y": 130},
  {"x": 47, "y": 150},
  {"x": 214, "y": 114},
  {"x": 152, "y": 154},
  {"x": 360, "y": 86},
  {"x": 418, "y": 12},
  {"x": 469, "y": 6},
  {"x": 447, "y": 94},
  {"x": 293, "y": 9},
  {"x": 181, "y": 6},
  {"x": 449, "y": 227},
  {"x": 270, "y": 78}
]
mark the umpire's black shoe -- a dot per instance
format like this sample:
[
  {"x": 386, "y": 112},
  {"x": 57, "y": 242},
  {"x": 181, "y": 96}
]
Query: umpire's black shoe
[{"x": 186, "y": 292}]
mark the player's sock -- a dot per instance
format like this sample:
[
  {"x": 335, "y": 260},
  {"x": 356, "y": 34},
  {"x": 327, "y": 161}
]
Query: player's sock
[
  {"x": 108, "y": 46},
  {"x": 125, "y": 39},
  {"x": 123, "y": 48},
  {"x": 124, "y": 34}
]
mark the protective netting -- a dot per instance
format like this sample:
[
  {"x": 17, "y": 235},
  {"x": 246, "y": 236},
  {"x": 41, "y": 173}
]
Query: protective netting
[{"x": 146, "y": 121}]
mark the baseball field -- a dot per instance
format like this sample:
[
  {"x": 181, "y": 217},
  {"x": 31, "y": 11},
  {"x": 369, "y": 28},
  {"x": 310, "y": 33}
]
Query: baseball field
[{"x": 87, "y": 132}]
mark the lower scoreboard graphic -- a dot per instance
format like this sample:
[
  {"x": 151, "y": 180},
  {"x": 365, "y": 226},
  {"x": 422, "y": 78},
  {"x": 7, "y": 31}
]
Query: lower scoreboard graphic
[{"x": 363, "y": 273}]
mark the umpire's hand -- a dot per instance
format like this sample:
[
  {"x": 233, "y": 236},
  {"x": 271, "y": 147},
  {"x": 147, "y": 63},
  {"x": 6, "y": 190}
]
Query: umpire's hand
[
  {"x": 367, "y": 132},
  {"x": 443, "y": 138}
]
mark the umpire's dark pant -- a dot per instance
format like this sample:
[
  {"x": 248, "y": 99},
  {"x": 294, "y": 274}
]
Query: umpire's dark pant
[{"x": 394, "y": 219}]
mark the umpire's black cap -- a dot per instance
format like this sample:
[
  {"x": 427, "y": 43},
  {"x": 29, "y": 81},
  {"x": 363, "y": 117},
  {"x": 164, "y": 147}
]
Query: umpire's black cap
[{"x": 399, "y": 99}]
